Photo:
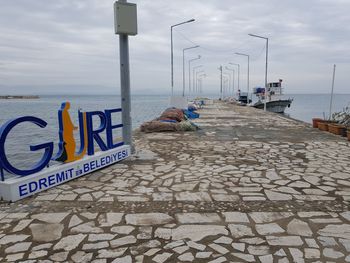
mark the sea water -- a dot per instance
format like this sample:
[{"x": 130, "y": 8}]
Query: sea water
[
  {"x": 144, "y": 107},
  {"x": 46, "y": 107},
  {"x": 307, "y": 106}
]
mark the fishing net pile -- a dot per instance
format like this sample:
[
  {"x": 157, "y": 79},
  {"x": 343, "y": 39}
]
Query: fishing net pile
[{"x": 172, "y": 119}]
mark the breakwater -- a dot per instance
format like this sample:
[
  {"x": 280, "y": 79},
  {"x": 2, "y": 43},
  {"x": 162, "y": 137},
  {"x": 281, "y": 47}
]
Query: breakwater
[
  {"x": 9, "y": 97},
  {"x": 248, "y": 186}
]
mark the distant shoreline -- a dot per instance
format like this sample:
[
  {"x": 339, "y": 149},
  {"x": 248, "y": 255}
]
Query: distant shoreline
[{"x": 9, "y": 97}]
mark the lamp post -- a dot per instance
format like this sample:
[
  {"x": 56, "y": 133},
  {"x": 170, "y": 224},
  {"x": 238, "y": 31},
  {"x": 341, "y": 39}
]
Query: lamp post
[
  {"x": 183, "y": 68},
  {"x": 267, "y": 51},
  {"x": 233, "y": 80},
  {"x": 194, "y": 79},
  {"x": 220, "y": 68},
  {"x": 189, "y": 71},
  {"x": 228, "y": 77},
  {"x": 224, "y": 85},
  {"x": 246, "y": 55},
  {"x": 172, "y": 53},
  {"x": 236, "y": 64},
  {"x": 125, "y": 28},
  {"x": 200, "y": 78}
]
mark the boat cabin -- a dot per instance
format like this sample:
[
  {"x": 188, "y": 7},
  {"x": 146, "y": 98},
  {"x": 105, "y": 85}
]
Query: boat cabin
[
  {"x": 275, "y": 88},
  {"x": 243, "y": 97}
]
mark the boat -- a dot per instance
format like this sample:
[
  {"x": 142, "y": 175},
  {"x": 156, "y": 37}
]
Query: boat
[{"x": 275, "y": 102}]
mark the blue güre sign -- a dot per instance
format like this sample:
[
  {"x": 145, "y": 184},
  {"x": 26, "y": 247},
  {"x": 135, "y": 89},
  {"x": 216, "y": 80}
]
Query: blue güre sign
[{"x": 75, "y": 162}]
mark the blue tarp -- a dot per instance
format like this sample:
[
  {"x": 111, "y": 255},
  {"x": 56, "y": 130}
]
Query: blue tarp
[
  {"x": 191, "y": 108},
  {"x": 191, "y": 114},
  {"x": 174, "y": 121}
]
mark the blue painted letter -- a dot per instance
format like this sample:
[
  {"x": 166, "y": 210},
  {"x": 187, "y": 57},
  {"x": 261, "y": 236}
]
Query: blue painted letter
[
  {"x": 110, "y": 128},
  {"x": 48, "y": 147},
  {"x": 94, "y": 135}
]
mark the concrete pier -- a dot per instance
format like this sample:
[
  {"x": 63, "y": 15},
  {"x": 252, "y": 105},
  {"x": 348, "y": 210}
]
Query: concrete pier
[{"x": 249, "y": 186}]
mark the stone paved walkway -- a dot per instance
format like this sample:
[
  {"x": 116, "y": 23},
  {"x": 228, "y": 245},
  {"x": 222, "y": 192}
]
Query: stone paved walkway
[{"x": 249, "y": 187}]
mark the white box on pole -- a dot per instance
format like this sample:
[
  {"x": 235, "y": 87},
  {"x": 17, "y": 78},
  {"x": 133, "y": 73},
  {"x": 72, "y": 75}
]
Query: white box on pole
[{"x": 125, "y": 18}]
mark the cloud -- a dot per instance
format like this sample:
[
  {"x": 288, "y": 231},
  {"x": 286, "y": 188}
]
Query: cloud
[{"x": 71, "y": 44}]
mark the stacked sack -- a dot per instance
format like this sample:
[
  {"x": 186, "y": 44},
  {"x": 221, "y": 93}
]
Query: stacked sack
[{"x": 172, "y": 119}]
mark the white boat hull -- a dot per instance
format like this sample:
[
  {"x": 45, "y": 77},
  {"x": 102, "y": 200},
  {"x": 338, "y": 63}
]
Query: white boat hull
[{"x": 277, "y": 106}]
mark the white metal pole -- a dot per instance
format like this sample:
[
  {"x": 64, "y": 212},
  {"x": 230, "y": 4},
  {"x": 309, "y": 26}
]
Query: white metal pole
[
  {"x": 225, "y": 80},
  {"x": 189, "y": 71},
  {"x": 195, "y": 88},
  {"x": 183, "y": 69},
  {"x": 236, "y": 64},
  {"x": 238, "y": 74},
  {"x": 172, "y": 61},
  {"x": 233, "y": 79},
  {"x": 248, "y": 82},
  {"x": 241, "y": 54},
  {"x": 194, "y": 79},
  {"x": 172, "y": 53},
  {"x": 266, "y": 91},
  {"x": 331, "y": 103},
  {"x": 125, "y": 87},
  {"x": 229, "y": 85},
  {"x": 200, "y": 81},
  {"x": 189, "y": 76},
  {"x": 197, "y": 84},
  {"x": 221, "y": 82},
  {"x": 233, "y": 83},
  {"x": 226, "y": 84},
  {"x": 183, "y": 73}
]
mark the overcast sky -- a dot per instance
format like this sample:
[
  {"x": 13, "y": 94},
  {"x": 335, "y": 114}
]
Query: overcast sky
[{"x": 69, "y": 46}]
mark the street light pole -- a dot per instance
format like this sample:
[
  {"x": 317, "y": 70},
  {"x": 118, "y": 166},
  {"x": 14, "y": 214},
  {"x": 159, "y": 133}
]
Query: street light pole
[
  {"x": 120, "y": 28},
  {"x": 194, "y": 83},
  {"x": 233, "y": 80},
  {"x": 201, "y": 71},
  {"x": 172, "y": 52},
  {"x": 220, "y": 68},
  {"x": 241, "y": 54},
  {"x": 228, "y": 82},
  {"x": 224, "y": 86},
  {"x": 236, "y": 64},
  {"x": 267, "y": 51},
  {"x": 200, "y": 78},
  {"x": 189, "y": 72},
  {"x": 183, "y": 68}
]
